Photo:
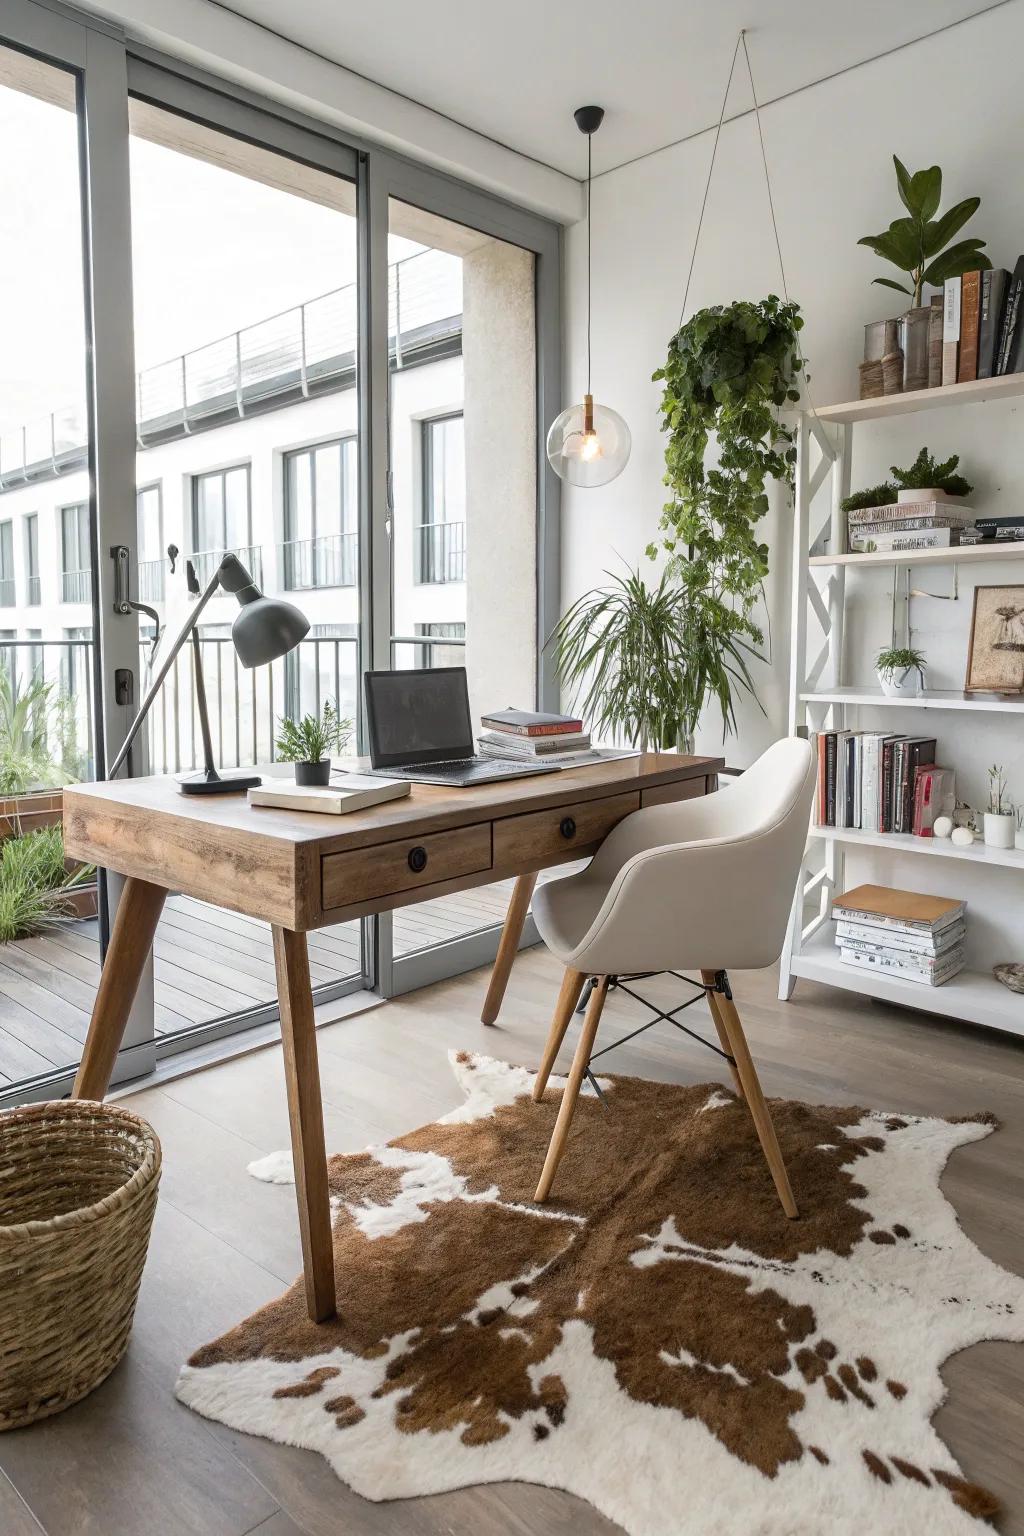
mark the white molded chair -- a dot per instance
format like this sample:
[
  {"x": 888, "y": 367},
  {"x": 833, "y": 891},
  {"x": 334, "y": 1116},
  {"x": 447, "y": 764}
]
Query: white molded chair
[{"x": 704, "y": 884}]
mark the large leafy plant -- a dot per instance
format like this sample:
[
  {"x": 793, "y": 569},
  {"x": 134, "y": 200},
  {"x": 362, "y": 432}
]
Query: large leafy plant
[
  {"x": 918, "y": 244},
  {"x": 729, "y": 371},
  {"x": 621, "y": 652}
]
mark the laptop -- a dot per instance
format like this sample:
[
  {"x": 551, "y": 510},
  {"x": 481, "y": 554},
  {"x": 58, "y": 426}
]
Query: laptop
[{"x": 420, "y": 728}]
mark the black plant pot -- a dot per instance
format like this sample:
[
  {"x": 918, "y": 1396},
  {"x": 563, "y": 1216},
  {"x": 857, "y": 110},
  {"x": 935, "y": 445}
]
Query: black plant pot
[{"x": 308, "y": 774}]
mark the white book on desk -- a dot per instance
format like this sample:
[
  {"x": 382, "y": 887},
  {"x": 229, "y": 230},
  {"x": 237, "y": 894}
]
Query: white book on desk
[{"x": 346, "y": 792}]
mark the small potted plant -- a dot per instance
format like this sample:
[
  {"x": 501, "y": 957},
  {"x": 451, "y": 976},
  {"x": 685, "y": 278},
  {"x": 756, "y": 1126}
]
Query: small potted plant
[
  {"x": 309, "y": 742},
  {"x": 1000, "y": 822},
  {"x": 928, "y": 480},
  {"x": 900, "y": 672}
]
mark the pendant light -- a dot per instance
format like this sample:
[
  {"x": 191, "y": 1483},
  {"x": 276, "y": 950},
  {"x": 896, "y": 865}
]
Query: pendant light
[{"x": 588, "y": 444}]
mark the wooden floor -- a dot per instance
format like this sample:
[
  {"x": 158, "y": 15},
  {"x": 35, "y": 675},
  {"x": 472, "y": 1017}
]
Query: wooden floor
[
  {"x": 131, "y": 1461},
  {"x": 209, "y": 962}
]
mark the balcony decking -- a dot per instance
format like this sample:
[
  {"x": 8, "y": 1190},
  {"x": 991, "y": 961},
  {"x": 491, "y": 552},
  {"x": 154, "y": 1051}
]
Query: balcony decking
[{"x": 209, "y": 962}]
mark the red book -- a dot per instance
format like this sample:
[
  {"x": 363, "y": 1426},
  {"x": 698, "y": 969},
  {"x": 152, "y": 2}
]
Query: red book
[{"x": 522, "y": 722}]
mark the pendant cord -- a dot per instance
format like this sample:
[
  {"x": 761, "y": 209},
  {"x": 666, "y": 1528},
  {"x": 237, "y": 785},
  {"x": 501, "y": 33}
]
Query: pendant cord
[
  {"x": 764, "y": 162},
  {"x": 590, "y": 177}
]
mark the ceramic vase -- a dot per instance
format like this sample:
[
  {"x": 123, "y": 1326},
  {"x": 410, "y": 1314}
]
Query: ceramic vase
[
  {"x": 902, "y": 684},
  {"x": 999, "y": 830}
]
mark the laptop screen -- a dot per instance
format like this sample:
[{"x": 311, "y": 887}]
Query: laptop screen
[{"x": 418, "y": 717}]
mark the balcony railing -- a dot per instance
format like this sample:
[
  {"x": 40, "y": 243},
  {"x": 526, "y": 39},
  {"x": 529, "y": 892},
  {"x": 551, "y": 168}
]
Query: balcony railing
[
  {"x": 35, "y": 591},
  {"x": 76, "y": 586},
  {"x": 152, "y": 580},
  {"x": 206, "y": 561},
  {"x": 330, "y": 561},
  {"x": 308, "y": 350},
  {"x": 8, "y": 592},
  {"x": 442, "y": 552}
]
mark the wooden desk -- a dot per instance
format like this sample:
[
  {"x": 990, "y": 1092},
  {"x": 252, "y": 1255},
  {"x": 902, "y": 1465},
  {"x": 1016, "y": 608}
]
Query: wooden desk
[{"x": 299, "y": 872}]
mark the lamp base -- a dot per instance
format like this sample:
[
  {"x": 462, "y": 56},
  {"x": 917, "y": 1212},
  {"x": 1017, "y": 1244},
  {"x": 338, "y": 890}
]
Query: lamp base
[{"x": 217, "y": 784}]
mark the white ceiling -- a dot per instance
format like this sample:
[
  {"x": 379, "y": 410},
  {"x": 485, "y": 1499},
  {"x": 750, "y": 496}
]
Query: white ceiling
[{"x": 514, "y": 72}]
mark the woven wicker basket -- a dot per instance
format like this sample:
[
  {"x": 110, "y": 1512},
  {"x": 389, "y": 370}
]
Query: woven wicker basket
[{"x": 78, "y": 1186}]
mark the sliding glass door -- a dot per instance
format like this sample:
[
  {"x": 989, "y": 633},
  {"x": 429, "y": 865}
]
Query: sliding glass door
[{"x": 229, "y": 327}]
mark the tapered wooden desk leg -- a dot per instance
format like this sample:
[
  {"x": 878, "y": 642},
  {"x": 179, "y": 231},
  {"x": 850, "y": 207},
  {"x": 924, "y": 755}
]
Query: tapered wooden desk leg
[
  {"x": 511, "y": 933},
  {"x": 138, "y": 913},
  {"x": 305, "y": 1112}
]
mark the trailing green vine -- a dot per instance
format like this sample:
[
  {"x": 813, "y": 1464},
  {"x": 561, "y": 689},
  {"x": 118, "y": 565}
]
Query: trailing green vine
[{"x": 729, "y": 371}]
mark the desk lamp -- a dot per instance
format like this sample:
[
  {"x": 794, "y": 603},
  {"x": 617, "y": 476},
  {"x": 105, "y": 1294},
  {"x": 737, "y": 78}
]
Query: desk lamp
[{"x": 266, "y": 628}]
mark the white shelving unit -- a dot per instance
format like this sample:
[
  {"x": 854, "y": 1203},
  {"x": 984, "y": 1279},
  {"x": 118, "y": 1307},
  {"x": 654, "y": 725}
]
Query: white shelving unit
[{"x": 820, "y": 700}]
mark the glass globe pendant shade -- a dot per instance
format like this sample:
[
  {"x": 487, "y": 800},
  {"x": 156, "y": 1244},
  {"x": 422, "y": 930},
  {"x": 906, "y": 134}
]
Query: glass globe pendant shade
[{"x": 588, "y": 444}]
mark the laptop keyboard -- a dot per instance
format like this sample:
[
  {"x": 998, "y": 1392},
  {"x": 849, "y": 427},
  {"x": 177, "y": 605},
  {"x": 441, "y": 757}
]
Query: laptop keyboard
[{"x": 461, "y": 768}]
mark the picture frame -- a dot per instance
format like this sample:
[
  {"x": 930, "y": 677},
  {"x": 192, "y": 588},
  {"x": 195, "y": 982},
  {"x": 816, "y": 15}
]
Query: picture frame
[{"x": 995, "y": 653}]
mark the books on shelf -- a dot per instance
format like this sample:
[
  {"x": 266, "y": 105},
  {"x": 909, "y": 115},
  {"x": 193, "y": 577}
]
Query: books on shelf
[
  {"x": 994, "y": 284},
  {"x": 905, "y": 934},
  {"x": 530, "y": 724},
  {"x": 876, "y": 781},
  {"x": 1010, "y": 351},
  {"x": 894, "y": 538},
  {"x": 950, "y": 330},
  {"x": 923, "y": 514},
  {"x": 346, "y": 792}
]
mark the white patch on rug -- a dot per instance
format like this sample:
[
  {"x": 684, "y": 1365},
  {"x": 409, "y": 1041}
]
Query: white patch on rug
[
  {"x": 716, "y": 1100},
  {"x": 275, "y": 1168},
  {"x": 907, "y": 1304}
]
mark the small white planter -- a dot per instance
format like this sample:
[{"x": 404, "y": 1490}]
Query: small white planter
[
  {"x": 901, "y": 684},
  {"x": 929, "y": 494},
  {"x": 1000, "y": 831}
]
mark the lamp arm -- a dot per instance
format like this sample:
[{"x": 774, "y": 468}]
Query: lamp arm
[{"x": 157, "y": 683}]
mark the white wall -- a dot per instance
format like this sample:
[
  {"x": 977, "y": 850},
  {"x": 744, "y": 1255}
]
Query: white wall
[{"x": 953, "y": 99}]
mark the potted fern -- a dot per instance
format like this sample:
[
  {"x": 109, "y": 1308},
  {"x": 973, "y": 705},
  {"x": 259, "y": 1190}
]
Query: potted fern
[
  {"x": 309, "y": 743},
  {"x": 900, "y": 671},
  {"x": 929, "y": 480}
]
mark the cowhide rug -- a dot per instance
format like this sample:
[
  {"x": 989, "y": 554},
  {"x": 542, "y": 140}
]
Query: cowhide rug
[{"x": 659, "y": 1339}]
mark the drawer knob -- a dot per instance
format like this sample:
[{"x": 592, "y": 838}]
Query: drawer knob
[
  {"x": 417, "y": 860},
  {"x": 567, "y": 827}
]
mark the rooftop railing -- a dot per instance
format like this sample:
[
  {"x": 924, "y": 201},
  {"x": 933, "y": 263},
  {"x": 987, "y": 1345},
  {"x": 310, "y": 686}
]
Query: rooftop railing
[
  {"x": 287, "y": 357},
  {"x": 442, "y": 555}
]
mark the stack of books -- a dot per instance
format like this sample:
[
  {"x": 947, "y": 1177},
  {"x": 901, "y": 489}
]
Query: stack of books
[
  {"x": 877, "y": 782},
  {"x": 523, "y": 734},
  {"x": 901, "y": 933},
  {"x": 983, "y": 325},
  {"x": 902, "y": 525}
]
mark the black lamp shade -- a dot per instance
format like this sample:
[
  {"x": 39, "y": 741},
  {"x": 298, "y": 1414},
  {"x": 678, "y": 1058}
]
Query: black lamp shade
[{"x": 266, "y": 628}]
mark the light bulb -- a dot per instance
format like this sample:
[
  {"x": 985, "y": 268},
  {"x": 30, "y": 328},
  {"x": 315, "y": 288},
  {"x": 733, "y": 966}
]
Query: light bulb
[{"x": 588, "y": 444}]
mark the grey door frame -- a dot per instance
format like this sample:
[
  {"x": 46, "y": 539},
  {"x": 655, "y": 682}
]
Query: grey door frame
[{"x": 110, "y": 69}]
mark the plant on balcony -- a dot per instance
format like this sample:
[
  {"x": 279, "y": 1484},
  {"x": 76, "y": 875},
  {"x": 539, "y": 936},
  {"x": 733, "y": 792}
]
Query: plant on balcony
[
  {"x": 28, "y": 716},
  {"x": 309, "y": 743},
  {"x": 729, "y": 372},
  {"x": 620, "y": 651},
  {"x": 34, "y": 884}
]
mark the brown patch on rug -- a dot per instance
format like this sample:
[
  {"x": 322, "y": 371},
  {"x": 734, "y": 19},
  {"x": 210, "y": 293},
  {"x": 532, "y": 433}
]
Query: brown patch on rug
[{"x": 664, "y": 1273}]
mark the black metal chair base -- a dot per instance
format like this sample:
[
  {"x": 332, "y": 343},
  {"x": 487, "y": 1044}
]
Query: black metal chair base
[{"x": 621, "y": 983}]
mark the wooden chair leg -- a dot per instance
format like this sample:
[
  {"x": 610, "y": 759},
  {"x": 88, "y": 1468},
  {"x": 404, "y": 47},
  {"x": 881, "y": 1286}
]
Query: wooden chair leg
[
  {"x": 511, "y": 933},
  {"x": 581, "y": 1061},
  {"x": 568, "y": 997},
  {"x": 708, "y": 978},
  {"x": 305, "y": 1113},
  {"x": 759, "y": 1111}
]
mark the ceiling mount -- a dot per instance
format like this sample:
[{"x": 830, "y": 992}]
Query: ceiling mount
[{"x": 589, "y": 119}]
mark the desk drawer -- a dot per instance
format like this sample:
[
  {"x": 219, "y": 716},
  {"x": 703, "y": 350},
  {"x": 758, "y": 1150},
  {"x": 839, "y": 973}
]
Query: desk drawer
[
  {"x": 682, "y": 789},
  {"x": 388, "y": 868},
  {"x": 541, "y": 837}
]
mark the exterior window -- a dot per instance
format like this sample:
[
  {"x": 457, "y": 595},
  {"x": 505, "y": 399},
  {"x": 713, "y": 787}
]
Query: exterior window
[
  {"x": 149, "y": 514},
  {"x": 321, "y": 516},
  {"x": 222, "y": 521},
  {"x": 442, "y": 535},
  {"x": 35, "y": 595},
  {"x": 7, "y": 583},
  {"x": 75, "y": 554},
  {"x": 453, "y": 655}
]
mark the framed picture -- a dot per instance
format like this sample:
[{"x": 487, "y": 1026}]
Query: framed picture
[{"x": 995, "y": 657}]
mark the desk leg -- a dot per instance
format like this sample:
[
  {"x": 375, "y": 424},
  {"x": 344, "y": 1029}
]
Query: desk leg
[
  {"x": 512, "y": 932},
  {"x": 305, "y": 1112},
  {"x": 138, "y": 913}
]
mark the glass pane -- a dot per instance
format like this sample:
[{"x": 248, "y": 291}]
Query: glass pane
[
  {"x": 463, "y": 571},
  {"x": 245, "y": 327},
  {"x": 47, "y": 979}
]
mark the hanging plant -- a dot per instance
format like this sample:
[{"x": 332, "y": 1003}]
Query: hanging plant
[{"x": 729, "y": 371}]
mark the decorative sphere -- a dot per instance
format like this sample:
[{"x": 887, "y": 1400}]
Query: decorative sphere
[
  {"x": 962, "y": 837},
  {"x": 587, "y": 458},
  {"x": 943, "y": 826}
]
